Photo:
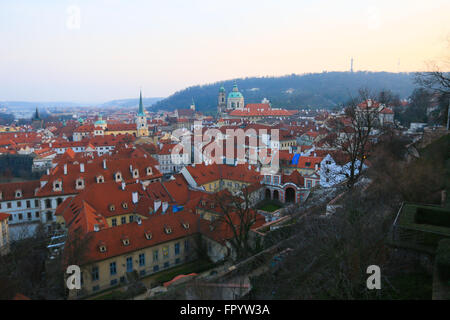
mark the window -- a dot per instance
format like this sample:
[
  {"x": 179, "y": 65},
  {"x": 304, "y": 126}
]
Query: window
[
  {"x": 94, "y": 273},
  {"x": 20, "y": 216},
  {"x": 36, "y": 214},
  {"x": 129, "y": 264},
  {"x": 114, "y": 222},
  {"x": 8, "y": 205},
  {"x": 186, "y": 245},
  {"x": 165, "y": 251},
  {"x": 19, "y": 204},
  {"x": 156, "y": 268},
  {"x": 177, "y": 260},
  {"x": 123, "y": 220},
  {"x": 28, "y": 204},
  {"x": 177, "y": 248},
  {"x": 142, "y": 259},
  {"x": 142, "y": 273},
  {"x": 166, "y": 265},
  {"x": 155, "y": 255},
  {"x": 131, "y": 218},
  {"x": 96, "y": 288},
  {"x": 29, "y": 215},
  {"x": 113, "y": 282},
  {"x": 112, "y": 268},
  {"x": 36, "y": 203}
]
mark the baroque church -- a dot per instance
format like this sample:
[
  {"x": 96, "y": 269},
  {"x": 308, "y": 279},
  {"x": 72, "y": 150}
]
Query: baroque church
[{"x": 235, "y": 100}]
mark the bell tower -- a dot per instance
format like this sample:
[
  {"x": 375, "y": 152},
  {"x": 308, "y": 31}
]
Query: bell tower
[{"x": 221, "y": 101}]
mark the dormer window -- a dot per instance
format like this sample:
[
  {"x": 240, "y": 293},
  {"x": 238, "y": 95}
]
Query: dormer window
[
  {"x": 124, "y": 205},
  {"x": 149, "y": 171},
  {"x": 100, "y": 179},
  {"x": 112, "y": 207},
  {"x": 18, "y": 193},
  {"x": 102, "y": 248},
  {"x": 79, "y": 183},
  {"x": 167, "y": 229},
  {"x": 135, "y": 173},
  {"x": 57, "y": 185},
  {"x": 118, "y": 177},
  {"x": 186, "y": 225},
  {"x": 125, "y": 241},
  {"x": 148, "y": 235}
]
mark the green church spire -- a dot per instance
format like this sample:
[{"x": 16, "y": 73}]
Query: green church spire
[{"x": 141, "y": 106}]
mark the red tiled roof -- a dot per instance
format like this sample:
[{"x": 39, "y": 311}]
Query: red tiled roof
[
  {"x": 28, "y": 189},
  {"x": 93, "y": 169},
  {"x": 261, "y": 109},
  {"x": 207, "y": 173}
]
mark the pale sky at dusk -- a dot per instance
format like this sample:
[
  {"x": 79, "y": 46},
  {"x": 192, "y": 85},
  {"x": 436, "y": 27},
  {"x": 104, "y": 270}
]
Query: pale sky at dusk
[{"x": 116, "y": 47}]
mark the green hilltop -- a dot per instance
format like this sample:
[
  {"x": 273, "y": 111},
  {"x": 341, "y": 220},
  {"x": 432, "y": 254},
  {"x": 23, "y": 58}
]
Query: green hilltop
[{"x": 326, "y": 89}]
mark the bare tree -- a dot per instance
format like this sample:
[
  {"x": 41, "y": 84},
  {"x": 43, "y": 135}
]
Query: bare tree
[
  {"x": 235, "y": 214},
  {"x": 354, "y": 133},
  {"x": 438, "y": 81}
]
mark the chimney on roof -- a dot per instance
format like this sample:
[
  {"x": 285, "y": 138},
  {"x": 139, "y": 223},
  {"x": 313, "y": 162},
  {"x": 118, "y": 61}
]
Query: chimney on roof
[
  {"x": 135, "y": 197},
  {"x": 81, "y": 167},
  {"x": 96, "y": 228},
  {"x": 131, "y": 168},
  {"x": 139, "y": 221},
  {"x": 123, "y": 185},
  {"x": 65, "y": 169},
  {"x": 104, "y": 164}
]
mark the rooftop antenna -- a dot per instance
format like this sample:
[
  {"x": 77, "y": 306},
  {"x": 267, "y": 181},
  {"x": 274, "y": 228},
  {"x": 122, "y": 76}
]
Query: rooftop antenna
[{"x": 351, "y": 65}]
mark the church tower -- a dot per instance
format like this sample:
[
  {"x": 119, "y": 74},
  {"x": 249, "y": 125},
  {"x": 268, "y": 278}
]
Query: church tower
[
  {"x": 141, "y": 120},
  {"x": 221, "y": 102},
  {"x": 36, "y": 120}
]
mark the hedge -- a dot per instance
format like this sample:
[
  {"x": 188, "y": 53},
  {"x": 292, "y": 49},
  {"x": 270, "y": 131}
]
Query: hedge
[
  {"x": 435, "y": 217},
  {"x": 443, "y": 259}
]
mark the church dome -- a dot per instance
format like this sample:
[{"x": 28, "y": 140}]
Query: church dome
[{"x": 235, "y": 93}]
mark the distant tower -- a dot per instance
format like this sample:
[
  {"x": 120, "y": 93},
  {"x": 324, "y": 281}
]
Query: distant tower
[
  {"x": 221, "y": 101},
  {"x": 141, "y": 119},
  {"x": 36, "y": 121},
  {"x": 193, "y": 104},
  {"x": 351, "y": 65}
]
